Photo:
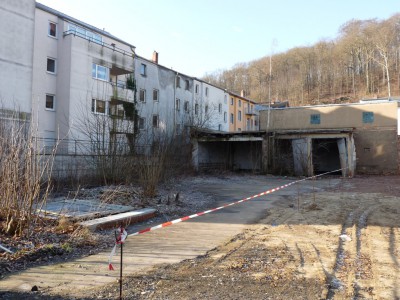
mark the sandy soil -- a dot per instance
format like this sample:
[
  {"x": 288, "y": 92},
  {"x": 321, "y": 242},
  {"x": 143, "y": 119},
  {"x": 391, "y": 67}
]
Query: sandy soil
[
  {"x": 343, "y": 243},
  {"x": 340, "y": 244}
]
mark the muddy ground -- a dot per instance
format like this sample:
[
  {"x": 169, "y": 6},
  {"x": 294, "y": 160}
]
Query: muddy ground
[{"x": 339, "y": 244}]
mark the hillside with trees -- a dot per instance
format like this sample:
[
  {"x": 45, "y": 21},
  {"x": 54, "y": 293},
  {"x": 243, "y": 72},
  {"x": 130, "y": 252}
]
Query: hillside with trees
[{"x": 362, "y": 62}]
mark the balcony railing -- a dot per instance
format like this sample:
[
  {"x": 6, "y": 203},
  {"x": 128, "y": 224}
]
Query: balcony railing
[
  {"x": 250, "y": 111},
  {"x": 96, "y": 41}
]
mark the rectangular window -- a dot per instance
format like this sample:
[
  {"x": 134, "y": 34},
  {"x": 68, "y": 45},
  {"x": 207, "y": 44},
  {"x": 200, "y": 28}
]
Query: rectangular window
[
  {"x": 155, "y": 95},
  {"x": 143, "y": 70},
  {"x": 219, "y": 127},
  {"x": 225, "y": 99},
  {"x": 187, "y": 85},
  {"x": 178, "y": 82},
  {"x": 206, "y": 91},
  {"x": 186, "y": 106},
  {"x": 197, "y": 89},
  {"x": 196, "y": 109},
  {"x": 51, "y": 65},
  {"x": 220, "y": 108},
  {"x": 155, "y": 121},
  {"x": 225, "y": 116},
  {"x": 315, "y": 119},
  {"x": 178, "y": 104},
  {"x": 206, "y": 109},
  {"x": 52, "y": 29},
  {"x": 50, "y": 102},
  {"x": 231, "y": 100},
  {"x": 99, "y": 106},
  {"x": 368, "y": 117},
  {"x": 239, "y": 115},
  {"x": 142, "y": 122},
  {"x": 240, "y": 103},
  {"x": 142, "y": 95},
  {"x": 232, "y": 118},
  {"x": 100, "y": 72}
]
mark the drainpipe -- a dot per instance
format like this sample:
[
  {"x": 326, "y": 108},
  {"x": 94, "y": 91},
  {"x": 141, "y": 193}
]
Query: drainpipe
[{"x": 174, "y": 125}]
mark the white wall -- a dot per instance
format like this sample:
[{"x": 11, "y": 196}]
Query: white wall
[{"x": 16, "y": 36}]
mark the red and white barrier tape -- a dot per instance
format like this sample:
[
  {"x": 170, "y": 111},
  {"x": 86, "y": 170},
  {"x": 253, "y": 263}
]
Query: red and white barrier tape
[
  {"x": 166, "y": 224},
  {"x": 120, "y": 239}
]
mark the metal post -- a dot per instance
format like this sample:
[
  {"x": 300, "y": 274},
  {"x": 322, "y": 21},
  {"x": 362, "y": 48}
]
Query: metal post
[{"x": 120, "y": 273}]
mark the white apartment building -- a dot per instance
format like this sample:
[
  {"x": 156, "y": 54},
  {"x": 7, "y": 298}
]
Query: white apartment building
[
  {"x": 85, "y": 86},
  {"x": 79, "y": 80},
  {"x": 16, "y": 56}
]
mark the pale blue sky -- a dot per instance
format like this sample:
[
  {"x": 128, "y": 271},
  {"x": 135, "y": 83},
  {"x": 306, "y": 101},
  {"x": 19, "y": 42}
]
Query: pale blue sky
[{"x": 195, "y": 37}]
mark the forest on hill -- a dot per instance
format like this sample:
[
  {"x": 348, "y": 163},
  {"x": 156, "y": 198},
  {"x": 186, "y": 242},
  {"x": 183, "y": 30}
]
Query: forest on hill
[{"x": 362, "y": 62}]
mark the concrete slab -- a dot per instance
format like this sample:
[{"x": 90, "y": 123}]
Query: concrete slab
[
  {"x": 125, "y": 219},
  {"x": 78, "y": 209}
]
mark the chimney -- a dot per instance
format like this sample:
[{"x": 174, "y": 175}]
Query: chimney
[
  {"x": 242, "y": 93},
  {"x": 155, "y": 57}
]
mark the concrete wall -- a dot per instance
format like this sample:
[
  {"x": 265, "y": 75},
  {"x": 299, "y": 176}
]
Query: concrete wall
[
  {"x": 375, "y": 135},
  {"x": 16, "y": 54},
  {"x": 332, "y": 116}
]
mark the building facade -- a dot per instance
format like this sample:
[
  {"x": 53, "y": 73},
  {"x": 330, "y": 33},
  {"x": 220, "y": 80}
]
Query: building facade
[
  {"x": 16, "y": 57},
  {"x": 242, "y": 113}
]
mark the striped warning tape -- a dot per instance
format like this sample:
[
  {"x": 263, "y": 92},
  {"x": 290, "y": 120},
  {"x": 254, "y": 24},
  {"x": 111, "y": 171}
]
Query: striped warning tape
[{"x": 166, "y": 224}]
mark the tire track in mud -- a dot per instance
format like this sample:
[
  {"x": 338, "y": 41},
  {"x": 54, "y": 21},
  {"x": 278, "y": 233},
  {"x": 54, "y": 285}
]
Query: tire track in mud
[{"x": 343, "y": 274}]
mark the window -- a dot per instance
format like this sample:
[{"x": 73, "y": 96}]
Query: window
[
  {"x": 197, "y": 89},
  {"x": 51, "y": 65},
  {"x": 100, "y": 72},
  {"x": 206, "y": 91},
  {"x": 232, "y": 118},
  {"x": 187, "y": 85},
  {"x": 239, "y": 129},
  {"x": 186, "y": 106},
  {"x": 206, "y": 109},
  {"x": 50, "y": 102},
  {"x": 220, "y": 108},
  {"x": 142, "y": 122},
  {"x": 178, "y": 82},
  {"x": 368, "y": 117},
  {"x": 142, "y": 95},
  {"x": 155, "y": 95},
  {"x": 143, "y": 70},
  {"x": 155, "y": 121},
  {"x": 240, "y": 103},
  {"x": 225, "y": 99},
  {"x": 315, "y": 119},
  {"x": 219, "y": 127},
  {"x": 196, "y": 109},
  {"x": 52, "y": 29},
  {"x": 231, "y": 100},
  {"x": 240, "y": 115},
  {"x": 98, "y": 106},
  {"x": 178, "y": 104},
  {"x": 225, "y": 116}
]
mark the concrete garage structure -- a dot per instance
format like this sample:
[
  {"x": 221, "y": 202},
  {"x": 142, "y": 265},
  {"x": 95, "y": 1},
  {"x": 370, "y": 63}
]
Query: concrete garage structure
[
  {"x": 227, "y": 151},
  {"x": 360, "y": 138}
]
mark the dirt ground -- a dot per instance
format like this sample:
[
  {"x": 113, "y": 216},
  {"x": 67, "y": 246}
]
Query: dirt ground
[
  {"x": 340, "y": 244},
  {"x": 343, "y": 243}
]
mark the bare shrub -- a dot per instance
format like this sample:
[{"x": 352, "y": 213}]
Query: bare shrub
[{"x": 24, "y": 176}]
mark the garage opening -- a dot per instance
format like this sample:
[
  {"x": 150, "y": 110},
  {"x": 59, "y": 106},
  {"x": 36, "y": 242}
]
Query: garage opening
[{"x": 326, "y": 156}]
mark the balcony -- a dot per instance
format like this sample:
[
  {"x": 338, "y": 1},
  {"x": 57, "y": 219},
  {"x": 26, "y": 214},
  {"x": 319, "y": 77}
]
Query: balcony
[{"x": 250, "y": 112}]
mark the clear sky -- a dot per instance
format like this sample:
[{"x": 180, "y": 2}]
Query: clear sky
[{"x": 195, "y": 37}]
